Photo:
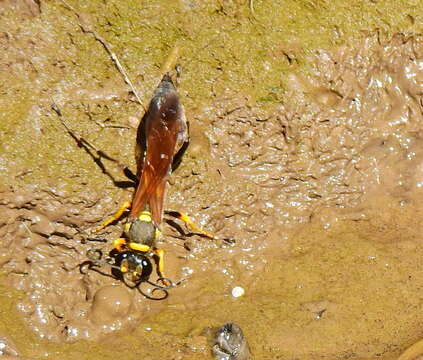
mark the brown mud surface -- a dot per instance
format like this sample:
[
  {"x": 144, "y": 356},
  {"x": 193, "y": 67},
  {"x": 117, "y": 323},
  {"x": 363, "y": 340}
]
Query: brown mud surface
[{"x": 306, "y": 125}]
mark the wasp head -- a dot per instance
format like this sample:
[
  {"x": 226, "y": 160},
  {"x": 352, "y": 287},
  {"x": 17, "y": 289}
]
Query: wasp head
[{"x": 134, "y": 267}]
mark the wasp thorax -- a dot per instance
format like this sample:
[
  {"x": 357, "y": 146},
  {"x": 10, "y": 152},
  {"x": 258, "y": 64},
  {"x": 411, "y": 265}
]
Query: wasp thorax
[{"x": 141, "y": 232}]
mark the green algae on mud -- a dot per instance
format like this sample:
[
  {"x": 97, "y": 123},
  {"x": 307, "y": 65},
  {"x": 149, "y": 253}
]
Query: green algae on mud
[{"x": 224, "y": 47}]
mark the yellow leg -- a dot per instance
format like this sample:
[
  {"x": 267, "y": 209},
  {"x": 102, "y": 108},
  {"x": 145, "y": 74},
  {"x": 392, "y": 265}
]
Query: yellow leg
[
  {"x": 118, "y": 244},
  {"x": 139, "y": 247},
  {"x": 126, "y": 205},
  {"x": 160, "y": 264},
  {"x": 191, "y": 224}
]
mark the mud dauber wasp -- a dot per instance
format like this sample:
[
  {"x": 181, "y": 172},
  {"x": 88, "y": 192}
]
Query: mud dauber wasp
[{"x": 162, "y": 137}]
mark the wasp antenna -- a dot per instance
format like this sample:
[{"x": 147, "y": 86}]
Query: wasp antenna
[
  {"x": 104, "y": 262},
  {"x": 95, "y": 255}
]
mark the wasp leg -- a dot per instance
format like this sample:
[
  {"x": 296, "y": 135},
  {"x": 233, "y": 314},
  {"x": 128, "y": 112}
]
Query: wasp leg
[
  {"x": 118, "y": 244},
  {"x": 126, "y": 205},
  {"x": 159, "y": 254},
  {"x": 160, "y": 266},
  {"x": 187, "y": 220}
]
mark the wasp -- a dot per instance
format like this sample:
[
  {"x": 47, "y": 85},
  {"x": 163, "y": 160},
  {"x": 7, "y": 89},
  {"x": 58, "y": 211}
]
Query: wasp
[{"x": 161, "y": 137}]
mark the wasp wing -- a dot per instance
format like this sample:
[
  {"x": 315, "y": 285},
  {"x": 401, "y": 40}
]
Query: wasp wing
[{"x": 163, "y": 130}]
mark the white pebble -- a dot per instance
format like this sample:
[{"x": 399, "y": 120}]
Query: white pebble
[{"x": 238, "y": 291}]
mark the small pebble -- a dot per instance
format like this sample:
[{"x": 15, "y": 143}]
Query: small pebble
[
  {"x": 231, "y": 344},
  {"x": 238, "y": 291}
]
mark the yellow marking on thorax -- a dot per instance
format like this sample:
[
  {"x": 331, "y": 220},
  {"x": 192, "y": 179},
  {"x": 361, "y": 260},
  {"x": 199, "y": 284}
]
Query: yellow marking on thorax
[{"x": 145, "y": 216}]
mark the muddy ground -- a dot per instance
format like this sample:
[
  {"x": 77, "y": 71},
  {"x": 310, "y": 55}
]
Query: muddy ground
[{"x": 306, "y": 147}]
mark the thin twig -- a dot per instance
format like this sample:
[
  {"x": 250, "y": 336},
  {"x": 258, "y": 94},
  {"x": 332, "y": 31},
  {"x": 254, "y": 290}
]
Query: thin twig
[
  {"x": 251, "y": 5},
  {"x": 170, "y": 60},
  {"x": 27, "y": 229}
]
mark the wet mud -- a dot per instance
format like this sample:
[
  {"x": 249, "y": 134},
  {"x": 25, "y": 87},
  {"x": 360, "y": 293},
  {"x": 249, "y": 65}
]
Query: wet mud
[{"x": 307, "y": 152}]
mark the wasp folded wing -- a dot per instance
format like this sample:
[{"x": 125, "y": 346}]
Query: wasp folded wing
[{"x": 164, "y": 127}]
